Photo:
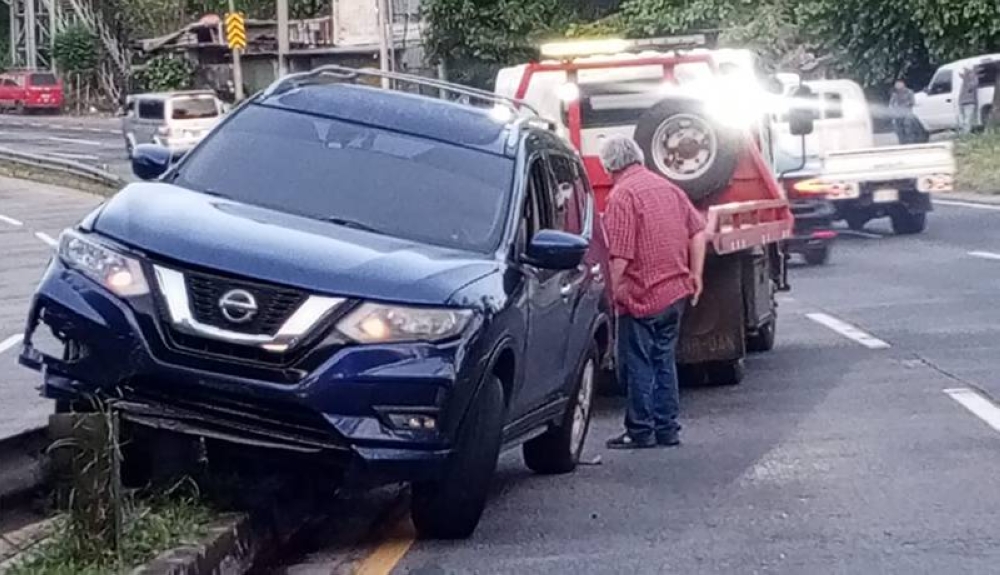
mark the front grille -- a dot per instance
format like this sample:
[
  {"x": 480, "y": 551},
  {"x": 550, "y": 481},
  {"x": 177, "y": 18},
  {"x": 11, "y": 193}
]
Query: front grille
[{"x": 275, "y": 304}]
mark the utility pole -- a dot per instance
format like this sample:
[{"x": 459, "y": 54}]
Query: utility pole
[
  {"x": 383, "y": 40},
  {"x": 282, "y": 37}
]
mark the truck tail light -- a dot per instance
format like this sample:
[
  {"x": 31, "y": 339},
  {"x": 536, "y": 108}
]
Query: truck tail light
[{"x": 828, "y": 188}]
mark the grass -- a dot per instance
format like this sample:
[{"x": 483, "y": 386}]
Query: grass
[
  {"x": 152, "y": 526},
  {"x": 978, "y": 162}
]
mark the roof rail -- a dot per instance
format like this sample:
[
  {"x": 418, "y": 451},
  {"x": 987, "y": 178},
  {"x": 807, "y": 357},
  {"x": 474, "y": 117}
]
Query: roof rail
[{"x": 352, "y": 75}]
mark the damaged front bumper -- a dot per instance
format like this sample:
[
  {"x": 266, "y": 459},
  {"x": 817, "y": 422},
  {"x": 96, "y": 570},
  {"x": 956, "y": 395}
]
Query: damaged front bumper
[{"x": 89, "y": 344}]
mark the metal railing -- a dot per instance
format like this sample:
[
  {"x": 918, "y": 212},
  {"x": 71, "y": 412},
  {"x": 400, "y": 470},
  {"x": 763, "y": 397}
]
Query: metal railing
[{"x": 61, "y": 166}]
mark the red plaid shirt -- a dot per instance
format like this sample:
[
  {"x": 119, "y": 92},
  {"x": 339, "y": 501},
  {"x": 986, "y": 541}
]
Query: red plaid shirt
[{"x": 650, "y": 223}]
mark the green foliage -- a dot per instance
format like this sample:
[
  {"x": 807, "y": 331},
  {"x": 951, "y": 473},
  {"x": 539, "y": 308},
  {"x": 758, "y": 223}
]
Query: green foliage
[
  {"x": 75, "y": 49},
  {"x": 976, "y": 162},
  {"x": 165, "y": 73}
]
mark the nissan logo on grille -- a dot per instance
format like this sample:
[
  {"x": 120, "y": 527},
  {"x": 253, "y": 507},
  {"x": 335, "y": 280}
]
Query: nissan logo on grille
[{"x": 238, "y": 306}]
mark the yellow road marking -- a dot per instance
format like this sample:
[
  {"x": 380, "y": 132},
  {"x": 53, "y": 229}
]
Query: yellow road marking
[{"x": 390, "y": 551}]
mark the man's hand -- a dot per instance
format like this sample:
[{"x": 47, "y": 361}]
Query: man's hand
[{"x": 697, "y": 286}]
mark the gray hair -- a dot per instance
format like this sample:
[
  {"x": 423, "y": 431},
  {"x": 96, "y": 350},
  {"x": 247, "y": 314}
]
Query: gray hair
[{"x": 620, "y": 152}]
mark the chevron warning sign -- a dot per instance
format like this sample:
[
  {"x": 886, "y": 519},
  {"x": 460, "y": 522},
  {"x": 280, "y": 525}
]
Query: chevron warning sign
[{"x": 236, "y": 32}]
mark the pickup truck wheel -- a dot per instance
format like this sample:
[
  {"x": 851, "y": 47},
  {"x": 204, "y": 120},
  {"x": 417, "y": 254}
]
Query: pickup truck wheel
[
  {"x": 19, "y": 108},
  {"x": 450, "y": 508},
  {"x": 856, "y": 222},
  {"x": 685, "y": 145},
  {"x": 558, "y": 450},
  {"x": 725, "y": 373},
  {"x": 905, "y": 223},
  {"x": 817, "y": 256},
  {"x": 764, "y": 339}
]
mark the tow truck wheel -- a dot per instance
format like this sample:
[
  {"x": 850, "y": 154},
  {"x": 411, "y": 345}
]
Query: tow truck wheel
[
  {"x": 817, "y": 256},
  {"x": 450, "y": 508},
  {"x": 764, "y": 339},
  {"x": 906, "y": 223},
  {"x": 725, "y": 373},
  {"x": 558, "y": 450},
  {"x": 685, "y": 145}
]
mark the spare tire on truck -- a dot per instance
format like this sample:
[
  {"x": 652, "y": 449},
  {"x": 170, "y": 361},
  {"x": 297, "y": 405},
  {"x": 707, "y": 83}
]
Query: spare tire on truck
[{"x": 688, "y": 147}]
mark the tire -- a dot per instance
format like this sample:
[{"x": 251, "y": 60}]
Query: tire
[
  {"x": 19, "y": 108},
  {"x": 763, "y": 340},
  {"x": 856, "y": 222},
  {"x": 725, "y": 373},
  {"x": 817, "y": 256},
  {"x": 681, "y": 122},
  {"x": 558, "y": 450},
  {"x": 450, "y": 508},
  {"x": 905, "y": 223}
]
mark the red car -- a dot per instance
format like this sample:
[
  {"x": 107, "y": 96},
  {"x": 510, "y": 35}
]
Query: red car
[{"x": 27, "y": 90}]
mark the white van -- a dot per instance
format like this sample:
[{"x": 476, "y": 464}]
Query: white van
[
  {"x": 174, "y": 120},
  {"x": 937, "y": 105}
]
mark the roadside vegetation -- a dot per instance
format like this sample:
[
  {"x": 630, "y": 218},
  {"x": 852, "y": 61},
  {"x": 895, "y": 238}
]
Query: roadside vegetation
[
  {"x": 150, "y": 526},
  {"x": 978, "y": 162}
]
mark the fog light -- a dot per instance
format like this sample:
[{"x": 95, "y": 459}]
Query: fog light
[{"x": 413, "y": 421}]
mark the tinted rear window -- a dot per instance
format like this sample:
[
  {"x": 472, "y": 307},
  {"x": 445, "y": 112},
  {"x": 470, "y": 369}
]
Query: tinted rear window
[
  {"x": 403, "y": 186},
  {"x": 43, "y": 80},
  {"x": 193, "y": 108}
]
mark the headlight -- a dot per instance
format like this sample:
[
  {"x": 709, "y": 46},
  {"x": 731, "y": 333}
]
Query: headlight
[
  {"x": 120, "y": 274},
  {"x": 375, "y": 323}
]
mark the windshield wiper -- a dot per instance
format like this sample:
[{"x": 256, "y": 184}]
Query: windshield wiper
[{"x": 353, "y": 224}]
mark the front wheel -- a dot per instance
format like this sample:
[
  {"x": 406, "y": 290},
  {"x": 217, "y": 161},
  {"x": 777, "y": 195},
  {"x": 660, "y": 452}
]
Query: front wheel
[
  {"x": 817, "y": 256},
  {"x": 906, "y": 223},
  {"x": 558, "y": 450},
  {"x": 725, "y": 373},
  {"x": 764, "y": 339},
  {"x": 450, "y": 508}
]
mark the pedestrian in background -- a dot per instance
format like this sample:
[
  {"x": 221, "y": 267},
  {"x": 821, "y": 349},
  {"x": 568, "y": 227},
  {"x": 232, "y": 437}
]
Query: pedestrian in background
[
  {"x": 901, "y": 104},
  {"x": 657, "y": 241},
  {"x": 968, "y": 100}
]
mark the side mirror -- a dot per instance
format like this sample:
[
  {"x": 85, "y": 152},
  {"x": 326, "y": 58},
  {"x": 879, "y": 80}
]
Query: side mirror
[
  {"x": 802, "y": 115},
  {"x": 150, "y": 161},
  {"x": 555, "y": 250}
]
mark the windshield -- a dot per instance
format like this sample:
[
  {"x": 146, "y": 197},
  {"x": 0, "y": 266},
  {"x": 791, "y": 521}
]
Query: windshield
[
  {"x": 44, "y": 80},
  {"x": 321, "y": 168},
  {"x": 194, "y": 108}
]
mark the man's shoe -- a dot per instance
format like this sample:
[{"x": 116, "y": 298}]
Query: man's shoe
[
  {"x": 625, "y": 441},
  {"x": 668, "y": 441}
]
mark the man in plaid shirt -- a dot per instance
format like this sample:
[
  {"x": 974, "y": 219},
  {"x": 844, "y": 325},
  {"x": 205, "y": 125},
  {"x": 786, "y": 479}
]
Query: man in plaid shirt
[{"x": 657, "y": 241}]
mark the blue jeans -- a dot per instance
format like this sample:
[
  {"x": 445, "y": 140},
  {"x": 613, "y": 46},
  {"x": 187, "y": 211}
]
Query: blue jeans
[{"x": 647, "y": 359}]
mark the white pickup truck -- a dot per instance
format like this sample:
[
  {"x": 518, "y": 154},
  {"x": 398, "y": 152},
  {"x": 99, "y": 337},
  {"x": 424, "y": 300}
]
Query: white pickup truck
[
  {"x": 863, "y": 181},
  {"x": 937, "y": 105}
]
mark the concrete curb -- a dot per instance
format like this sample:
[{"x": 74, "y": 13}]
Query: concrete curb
[
  {"x": 59, "y": 172},
  {"x": 230, "y": 548},
  {"x": 21, "y": 466}
]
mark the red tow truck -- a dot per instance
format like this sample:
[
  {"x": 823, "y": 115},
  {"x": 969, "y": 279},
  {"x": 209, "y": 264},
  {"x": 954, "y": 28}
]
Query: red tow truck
[{"x": 703, "y": 119}]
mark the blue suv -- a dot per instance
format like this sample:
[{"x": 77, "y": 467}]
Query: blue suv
[{"x": 401, "y": 284}]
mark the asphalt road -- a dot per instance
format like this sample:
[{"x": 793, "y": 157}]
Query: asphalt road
[
  {"x": 839, "y": 454},
  {"x": 860, "y": 445},
  {"x": 93, "y": 141},
  {"x": 31, "y": 219}
]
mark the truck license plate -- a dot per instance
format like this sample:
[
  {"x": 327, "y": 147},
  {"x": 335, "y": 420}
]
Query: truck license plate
[{"x": 885, "y": 196}]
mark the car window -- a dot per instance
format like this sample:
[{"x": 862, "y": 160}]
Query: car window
[
  {"x": 151, "y": 109},
  {"x": 43, "y": 80},
  {"x": 941, "y": 84},
  {"x": 9, "y": 82},
  {"x": 400, "y": 185},
  {"x": 190, "y": 108},
  {"x": 833, "y": 106},
  {"x": 988, "y": 73},
  {"x": 567, "y": 195}
]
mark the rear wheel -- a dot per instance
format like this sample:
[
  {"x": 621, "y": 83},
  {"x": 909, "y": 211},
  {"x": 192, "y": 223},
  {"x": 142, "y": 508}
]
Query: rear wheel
[
  {"x": 817, "y": 256},
  {"x": 725, "y": 373},
  {"x": 856, "y": 221},
  {"x": 450, "y": 508},
  {"x": 683, "y": 144},
  {"x": 765, "y": 337},
  {"x": 19, "y": 107},
  {"x": 908, "y": 223},
  {"x": 558, "y": 451}
]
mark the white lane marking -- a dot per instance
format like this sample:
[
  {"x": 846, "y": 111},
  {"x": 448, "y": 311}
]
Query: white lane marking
[
  {"x": 74, "y": 156},
  {"x": 849, "y": 331},
  {"x": 11, "y": 221},
  {"x": 977, "y": 404},
  {"x": 860, "y": 234},
  {"x": 10, "y": 342},
  {"x": 75, "y": 141},
  {"x": 49, "y": 240},
  {"x": 985, "y": 255},
  {"x": 973, "y": 205}
]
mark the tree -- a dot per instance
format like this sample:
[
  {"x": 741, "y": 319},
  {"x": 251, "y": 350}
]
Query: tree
[{"x": 75, "y": 49}]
